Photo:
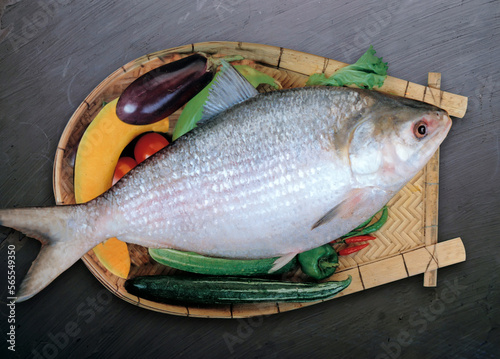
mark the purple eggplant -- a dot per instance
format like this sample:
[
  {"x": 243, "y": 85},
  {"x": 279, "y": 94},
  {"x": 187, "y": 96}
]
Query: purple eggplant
[{"x": 160, "y": 92}]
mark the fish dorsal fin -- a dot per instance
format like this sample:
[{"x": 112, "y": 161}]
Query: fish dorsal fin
[{"x": 229, "y": 89}]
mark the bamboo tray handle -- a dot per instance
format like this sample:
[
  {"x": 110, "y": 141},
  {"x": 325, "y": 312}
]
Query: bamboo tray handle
[
  {"x": 432, "y": 189},
  {"x": 417, "y": 261}
]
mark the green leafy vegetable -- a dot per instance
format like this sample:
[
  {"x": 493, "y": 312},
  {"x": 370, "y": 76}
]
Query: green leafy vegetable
[
  {"x": 368, "y": 72},
  {"x": 255, "y": 77},
  {"x": 192, "y": 112}
]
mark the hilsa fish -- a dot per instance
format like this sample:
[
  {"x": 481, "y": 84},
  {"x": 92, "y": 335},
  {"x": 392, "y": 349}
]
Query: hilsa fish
[{"x": 263, "y": 175}]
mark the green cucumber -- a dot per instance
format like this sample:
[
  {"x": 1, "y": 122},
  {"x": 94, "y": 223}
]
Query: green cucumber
[
  {"x": 229, "y": 290},
  {"x": 197, "y": 263}
]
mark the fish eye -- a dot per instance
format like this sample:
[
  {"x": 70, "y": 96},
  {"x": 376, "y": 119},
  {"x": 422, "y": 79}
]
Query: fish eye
[{"x": 420, "y": 129}]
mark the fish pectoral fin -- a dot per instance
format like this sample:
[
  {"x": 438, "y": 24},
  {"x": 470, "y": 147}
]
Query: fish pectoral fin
[
  {"x": 343, "y": 209},
  {"x": 282, "y": 261},
  {"x": 348, "y": 207},
  {"x": 331, "y": 214},
  {"x": 229, "y": 89}
]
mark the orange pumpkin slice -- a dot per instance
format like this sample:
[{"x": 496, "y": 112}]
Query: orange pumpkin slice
[{"x": 96, "y": 158}]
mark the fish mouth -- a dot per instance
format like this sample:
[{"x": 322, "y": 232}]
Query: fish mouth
[
  {"x": 446, "y": 119},
  {"x": 442, "y": 122},
  {"x": 448, "y": 123}
]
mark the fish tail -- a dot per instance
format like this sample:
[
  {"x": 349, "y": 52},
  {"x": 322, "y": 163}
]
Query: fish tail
[{"x": 61, "y": 238}]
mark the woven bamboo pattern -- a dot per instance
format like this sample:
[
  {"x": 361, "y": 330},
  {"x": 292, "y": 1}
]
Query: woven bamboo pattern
[{"x": 411, "y": 211}]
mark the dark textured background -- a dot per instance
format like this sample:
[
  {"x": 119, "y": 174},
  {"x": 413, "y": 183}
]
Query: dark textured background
[{"x": 56, "y": 54}]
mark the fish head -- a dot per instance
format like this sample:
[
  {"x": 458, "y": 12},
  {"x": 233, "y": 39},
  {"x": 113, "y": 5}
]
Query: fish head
[{"x": 395, "y": 140}]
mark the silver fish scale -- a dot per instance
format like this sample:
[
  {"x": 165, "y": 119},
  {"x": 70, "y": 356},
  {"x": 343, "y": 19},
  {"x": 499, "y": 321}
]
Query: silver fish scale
[{"x": 249, "y": 183}]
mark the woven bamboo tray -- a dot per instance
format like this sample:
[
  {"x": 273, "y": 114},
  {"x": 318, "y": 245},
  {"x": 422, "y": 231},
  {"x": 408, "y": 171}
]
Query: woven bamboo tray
[{"x": 406, "y": 245}]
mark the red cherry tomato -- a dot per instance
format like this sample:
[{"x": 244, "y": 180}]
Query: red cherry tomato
[
  {"x": 124, "y": 165},
  {"x": 148, "y": 145}
]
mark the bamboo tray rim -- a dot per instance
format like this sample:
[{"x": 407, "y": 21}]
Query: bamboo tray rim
[{"x": 273, "y": 57}]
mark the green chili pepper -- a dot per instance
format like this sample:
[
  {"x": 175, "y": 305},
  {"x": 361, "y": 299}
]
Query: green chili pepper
[
  {"x": 320, "y": 262},
  {"x": 364, "y": 224},
  {"x": 371, "y": 228}
]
